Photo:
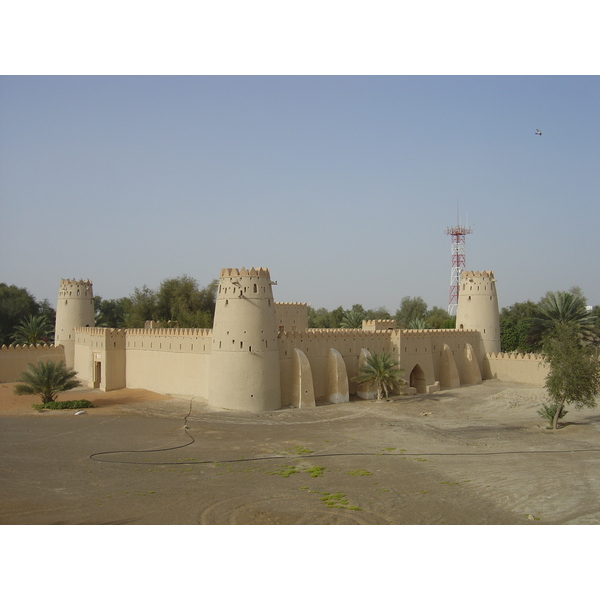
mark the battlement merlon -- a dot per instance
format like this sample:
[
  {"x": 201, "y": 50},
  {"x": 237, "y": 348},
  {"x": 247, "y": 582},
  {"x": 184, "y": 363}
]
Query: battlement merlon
[
  {"x": 379, "y": 324},
  {"x": 40, "y": 347},
  {"x": 243, "y": 272},
  {"x": 67, "y": 282},
  {"x": 477, "y": 274},
  {"x": 291, "y": 304}
]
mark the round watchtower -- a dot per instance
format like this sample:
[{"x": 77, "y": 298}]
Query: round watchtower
[
  {"x": 478, "y": 308},
  {"x": 244, "y": 363},
  {"x": 74, "y": 308}
]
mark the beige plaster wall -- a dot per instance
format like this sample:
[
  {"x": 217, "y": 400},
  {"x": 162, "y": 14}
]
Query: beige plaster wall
[
  {"x": 14, "y": 359},
  {"x": 521, "y": 368},
  {"x": 291, "y": 316},
  {"x": 169, "y": 361}
]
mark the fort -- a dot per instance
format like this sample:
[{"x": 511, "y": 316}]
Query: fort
[{"x": 261, "y": 355}]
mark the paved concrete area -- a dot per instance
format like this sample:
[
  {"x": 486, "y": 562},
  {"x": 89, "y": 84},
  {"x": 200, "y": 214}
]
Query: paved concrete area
[{"x": 477, "y": 455}]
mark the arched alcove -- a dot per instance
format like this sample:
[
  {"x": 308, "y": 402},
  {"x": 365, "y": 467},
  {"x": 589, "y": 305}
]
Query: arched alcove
[{"x": 417, "y": 380}]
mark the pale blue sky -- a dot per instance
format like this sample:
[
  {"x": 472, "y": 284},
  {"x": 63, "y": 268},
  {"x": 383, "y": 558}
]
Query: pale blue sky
[{"x": 341, "y": 186}]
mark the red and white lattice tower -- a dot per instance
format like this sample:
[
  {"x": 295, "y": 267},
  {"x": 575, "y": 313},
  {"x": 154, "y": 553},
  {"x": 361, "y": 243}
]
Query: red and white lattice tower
[{"x": 458, "y": 233}]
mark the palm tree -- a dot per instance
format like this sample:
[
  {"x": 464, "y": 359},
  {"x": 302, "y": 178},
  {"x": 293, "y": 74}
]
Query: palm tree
[
  {"x": 417, "y": 323},
  {"x": 34, "y": 329},
  {"x": 563, "y": 308},
  {"x": 382, "y": 371},
  {"x": 352, "y": 319},
  {"x": 46, "y": 380}
]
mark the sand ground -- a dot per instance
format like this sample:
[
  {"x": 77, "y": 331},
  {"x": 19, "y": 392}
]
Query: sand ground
[{"x": 475, "y": 455}]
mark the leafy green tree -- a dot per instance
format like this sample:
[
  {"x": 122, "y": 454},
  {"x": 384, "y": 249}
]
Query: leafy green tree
[
  {"x": 111, "y": 313},
  {"x": 382, "y": 371},
  {"x": 33, "y": 329},
  {"x": 15, "y": 305},
  {"x": 46, "y": 380},
  {"x": 574, "y": 369},
  {"x": 515, "y": 327},
  {"x": 142, "y": 307},
  {"x": 380, "y": 313},
  {"x": 563, "y": 308},
  {"x": 410, "y": 309},
  {"x": 318, "y": 318},
  {"x": 181, "y": 300},
  {"x": 335, "y": 317},
  {"x": 46, "y": 310},
  {"x": 438, "y": 318},
  {"x": 178, "y": 300}
]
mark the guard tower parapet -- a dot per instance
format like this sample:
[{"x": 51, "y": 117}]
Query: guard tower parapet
[
  {"x": 478, "y": 308},
  {"x": 74, "y": 308},
  {"x": 244, "y": 368},
  {"x": 378, "y": 324}
]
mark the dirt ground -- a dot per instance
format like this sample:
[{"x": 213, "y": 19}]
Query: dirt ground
[{"x": 475, "y": 455}]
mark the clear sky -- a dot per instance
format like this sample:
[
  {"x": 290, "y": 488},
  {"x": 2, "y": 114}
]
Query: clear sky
[{"x": 341, "y": 186}]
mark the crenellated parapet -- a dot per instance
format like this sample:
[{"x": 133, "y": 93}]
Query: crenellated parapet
[
  {"x": 515, "y": 356},
  {"x": 170, "y": 332},
  {"x": 27, "y": 347},
  {"x": 377, "y": 324},
  {"x": 429, "y": 332},
  {"x": 101, "y": 331},
  {"x": 333, "y": 334},
  {"x": 243, "y": 272},
  {"x": 77, "y": 287},
  {"x": 291, "y": 305},
  {"x": 477, "y": 275}
]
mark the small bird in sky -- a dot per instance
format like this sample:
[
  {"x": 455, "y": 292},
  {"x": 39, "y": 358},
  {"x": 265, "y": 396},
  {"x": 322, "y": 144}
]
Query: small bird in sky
[{"x": 538, "y": 132}]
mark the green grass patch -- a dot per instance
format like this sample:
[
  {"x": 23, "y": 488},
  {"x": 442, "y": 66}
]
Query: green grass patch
[
  {"x": 300, "y": 450},
  {"x": 315, "y": 471},
  {"x": 63, "y": 405},
  {"x": 337, "y": 500},
  {"x": 359, "y": 473},
  {"x": 285, "y": 471}
]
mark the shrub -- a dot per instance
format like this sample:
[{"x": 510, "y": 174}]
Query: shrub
[
  {"x": 548, "y": 411},
  {"x": 64, "y": 405}
]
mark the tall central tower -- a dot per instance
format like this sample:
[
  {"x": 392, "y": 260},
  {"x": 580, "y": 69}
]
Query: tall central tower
[
  {"x": 74, "y": 308},
  {"x": 458, "y": 234},
  {"x": 244, "y": 362}
]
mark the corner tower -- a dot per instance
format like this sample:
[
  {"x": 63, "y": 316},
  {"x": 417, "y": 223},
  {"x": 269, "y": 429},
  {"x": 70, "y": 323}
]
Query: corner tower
[
  {"x": 74, "y": 308},
  {"x": 244, "y": 363},
  {"x": 478, "y": 308}
]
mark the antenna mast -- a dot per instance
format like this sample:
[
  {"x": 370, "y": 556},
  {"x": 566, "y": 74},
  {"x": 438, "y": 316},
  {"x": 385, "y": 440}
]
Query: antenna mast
[{"x": 458, "y": 234}]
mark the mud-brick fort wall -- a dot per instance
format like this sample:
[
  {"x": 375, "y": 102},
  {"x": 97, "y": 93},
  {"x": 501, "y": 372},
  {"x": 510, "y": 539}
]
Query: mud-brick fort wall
[
  {"x": 169, "y": 361},
  {"x": 14, "y": 359},
  {"x": 173, "y": 361},
  {"x": 315, "y": 345},
  {"x": 521, "y": 368},
  {"x": 421, "y": 353},
  {"x": 291, "y": 316}
]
